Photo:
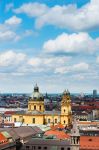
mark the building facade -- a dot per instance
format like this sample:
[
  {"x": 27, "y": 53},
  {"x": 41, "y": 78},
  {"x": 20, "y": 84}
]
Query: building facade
[{"x": 37, "y": 114}]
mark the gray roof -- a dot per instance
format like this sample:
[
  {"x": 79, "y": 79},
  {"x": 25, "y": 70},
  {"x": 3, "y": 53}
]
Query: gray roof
[
  {"x": 36, "y": 112},
  {"x": 51, "y": 142}
]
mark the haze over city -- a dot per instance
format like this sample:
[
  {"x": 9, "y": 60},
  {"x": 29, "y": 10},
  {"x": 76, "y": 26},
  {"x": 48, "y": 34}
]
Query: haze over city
[{"x": 54, "y": 43}]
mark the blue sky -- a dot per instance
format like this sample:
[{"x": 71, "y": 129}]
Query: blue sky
[{"x": 54, "y": 43}]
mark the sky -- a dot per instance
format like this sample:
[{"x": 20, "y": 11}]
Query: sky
[{"x": 54, "y": 43}]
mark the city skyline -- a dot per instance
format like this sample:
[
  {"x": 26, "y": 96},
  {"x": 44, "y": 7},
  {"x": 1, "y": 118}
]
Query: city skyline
[{"x": 52, "y": 43}]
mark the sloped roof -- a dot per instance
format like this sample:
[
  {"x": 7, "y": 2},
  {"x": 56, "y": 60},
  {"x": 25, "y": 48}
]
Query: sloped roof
[
  {"x": 58, "y": 134},
  {"x": 23, "y": 132},
  {"x": 89, "y": 143}
]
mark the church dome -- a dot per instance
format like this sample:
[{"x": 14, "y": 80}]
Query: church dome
[{"x": 36, "y": 95}]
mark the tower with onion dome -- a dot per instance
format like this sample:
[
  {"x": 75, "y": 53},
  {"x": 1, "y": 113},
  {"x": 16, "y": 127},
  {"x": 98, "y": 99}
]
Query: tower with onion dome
[{"x": 66, "y": 115}]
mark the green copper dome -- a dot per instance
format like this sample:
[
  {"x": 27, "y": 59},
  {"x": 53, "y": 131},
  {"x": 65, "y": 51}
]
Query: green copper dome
[{"x": 36, "y": 95}]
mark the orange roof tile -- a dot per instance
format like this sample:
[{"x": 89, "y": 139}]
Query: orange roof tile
[
  {"x": 58, "y": 126},
  {"x": 3, "y": 139},
  {"x": 89, "y": 143},
  {"x": 58, "y": 134}
]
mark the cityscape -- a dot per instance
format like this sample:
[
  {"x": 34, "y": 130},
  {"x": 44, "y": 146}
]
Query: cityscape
[{"x": 49, "y": 75}]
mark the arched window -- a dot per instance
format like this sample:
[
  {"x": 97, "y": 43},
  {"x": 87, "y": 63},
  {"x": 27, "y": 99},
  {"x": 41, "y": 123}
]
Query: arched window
[
  {"x": 33, "y": 120},
  {"x": 29, "y": 107},
  {"x": 64, "y": 121},
  {"x": 40, "y": 107},
  {"x": 48, "y": 120},
  {"x": 34, "y": 107},
  {"x": 55, "y": 120},
  {"x": 64, "y": 110}
]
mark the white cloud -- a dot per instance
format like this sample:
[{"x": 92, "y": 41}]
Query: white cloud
[
  {"x": 72, "y": 17},
  {"x": 67, "y": 16},
  {"x": 97, "y": 59},
  {"x": 8, "y": 29},
  {"x": 80, "y": 42},
  {"x": 48, "y": 62},
  {"x": 10, "y": 58},
  {"x": 32, "y": 9},
  {"x": 81, "y": 67},
  {"x": 13, "y": 21}
]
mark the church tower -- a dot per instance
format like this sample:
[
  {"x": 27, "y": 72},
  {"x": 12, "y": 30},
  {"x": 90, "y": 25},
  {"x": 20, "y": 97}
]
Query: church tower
[
  {"x": 66, "y": 116},
  {"x": 36, "y": 102},
  {"x": 75, "y": 136}
]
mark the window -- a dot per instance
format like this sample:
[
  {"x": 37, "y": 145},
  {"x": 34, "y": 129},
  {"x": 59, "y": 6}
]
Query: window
[
  {"x": 29, "y": 107},
  {"x": 62, "y": 148},
  {"x": 40, "y": 107},
  {"x": 55, "y": 120},
  {"x": 68, "y": 148},
  {"x": 64, "y": 110},
  {"x": 45, "y": 147},
  {"x": 33, "y": 120},
  {"x": 34, "y": 107},
  {"x": 64, "y": 121},
  {"x": 39, "y": 147},
  {"x": 48, "y": 120},
  {"x": 22, "y": 120},
  {"x": 27, "y": 147},
  {"x": 14, "y": 119},
  {"x": 33, "y": 148}
]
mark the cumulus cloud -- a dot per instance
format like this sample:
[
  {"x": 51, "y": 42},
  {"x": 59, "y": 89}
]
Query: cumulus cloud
[
  {"x": 8, "y": 29},
  {"x": 32, "y": 9},
  {"x": 80, "y": 42},
  {"x": 72, "y": 17},
  {"x": 11, "y": 58},
  {"x": 48, "y": 62},
  {"x": 67, "y": 16},
  {"x": 79, "y": 67},
  {"x": 13, "y": 21}
]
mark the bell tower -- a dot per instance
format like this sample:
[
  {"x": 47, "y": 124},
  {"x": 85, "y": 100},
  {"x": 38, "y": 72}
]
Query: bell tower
[
  {"x": 66, "y": 116},
  {"x": 36, "y": 102}
]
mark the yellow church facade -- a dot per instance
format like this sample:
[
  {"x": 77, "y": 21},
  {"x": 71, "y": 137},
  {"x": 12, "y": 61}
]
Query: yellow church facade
[{"x": 37, "y": 114}]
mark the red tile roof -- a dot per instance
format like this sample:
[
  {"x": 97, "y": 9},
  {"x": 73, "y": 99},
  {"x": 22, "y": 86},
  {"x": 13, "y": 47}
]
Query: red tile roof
[
  {"x": 89, "y": 143},
  {"x": 9, "y": 112},
  {"x": 3, "y": 139},
  {"x": 58, "y": 126},
  {"x": 58, "y": 134}
]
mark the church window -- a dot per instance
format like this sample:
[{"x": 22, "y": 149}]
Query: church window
[
  {"x": 48, "y": 120},
  {"x": 14, "y": 119},
  {"x": 40, "y": 107},
  {"x": 33, "y": 120},
  {"x": 62, "y": 148},
  {"x": 39, "y": 147},
  {"x": 55, "y": 120},
  {"x": 27, "y": 147},
  {"x": 34, "y": 107}
]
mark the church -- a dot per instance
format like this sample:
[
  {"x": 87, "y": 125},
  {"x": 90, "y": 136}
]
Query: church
[{"x": 37, "y": 114}]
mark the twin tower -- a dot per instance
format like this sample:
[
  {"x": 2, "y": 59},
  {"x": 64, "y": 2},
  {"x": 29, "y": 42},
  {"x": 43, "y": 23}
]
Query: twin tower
[{"x": 38, "y": 114}]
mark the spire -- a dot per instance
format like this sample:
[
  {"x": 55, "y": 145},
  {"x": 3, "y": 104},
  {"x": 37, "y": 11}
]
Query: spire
[
  {"x": 66, "y": 92},
  {"x": 36, "y": 88}
]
